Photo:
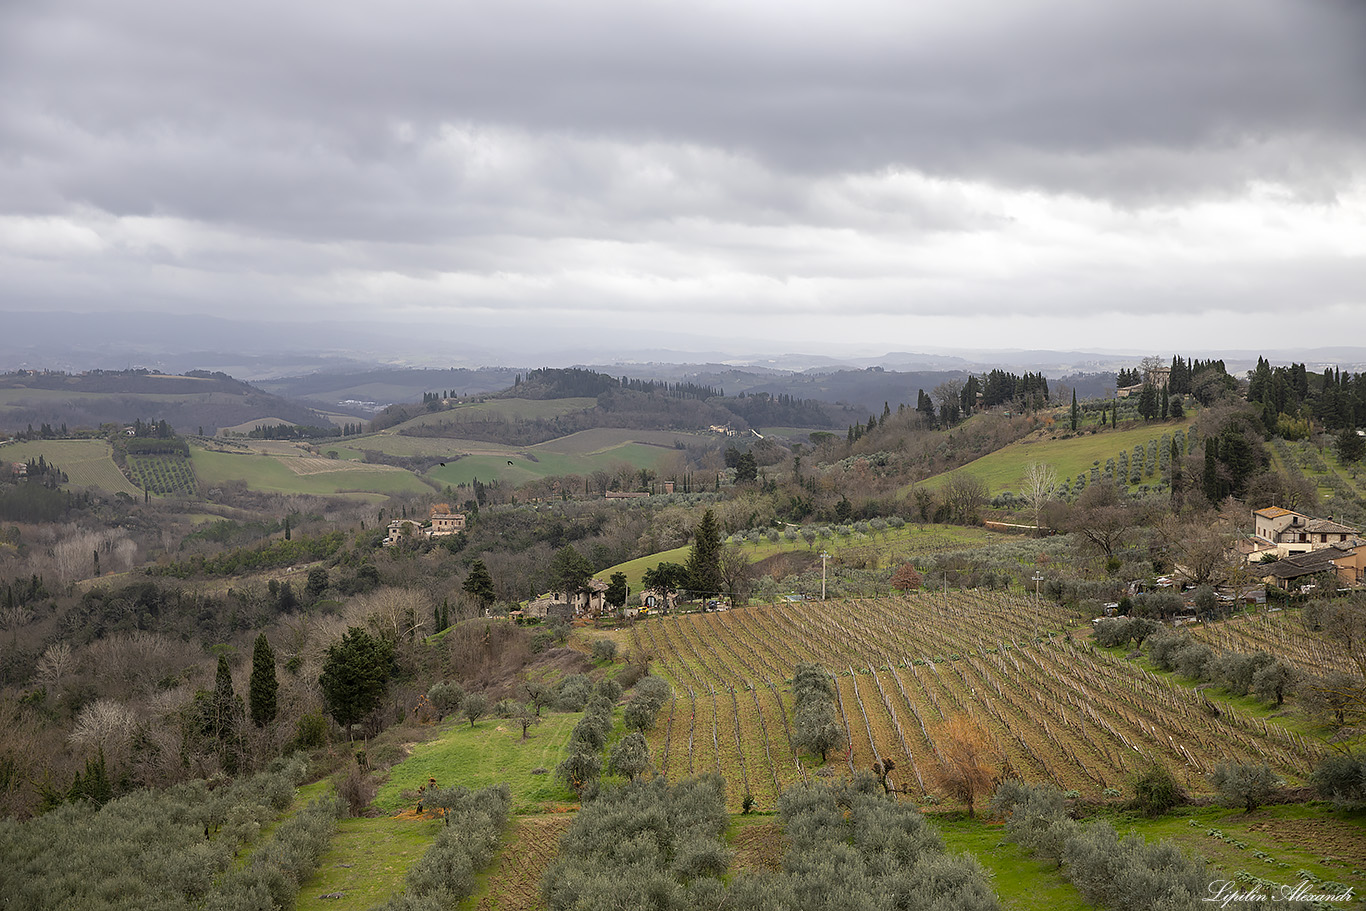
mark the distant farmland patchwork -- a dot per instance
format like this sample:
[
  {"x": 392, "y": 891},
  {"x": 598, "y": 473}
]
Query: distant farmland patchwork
[
  {"x": 277, "y": 473},
  {"x": 87, "y": 463}
]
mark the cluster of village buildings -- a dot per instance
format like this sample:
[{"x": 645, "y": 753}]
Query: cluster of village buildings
[{"x": 1302, "y": 546}]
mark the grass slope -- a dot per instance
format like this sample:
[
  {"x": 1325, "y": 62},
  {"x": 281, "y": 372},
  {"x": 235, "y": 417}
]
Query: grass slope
[
  {"x": 1021, "y": 882},
  {"x": 366, "y": 862},
  {"x": 492, "y": 752},
  {"x": 1005, "y": 468},
  {"x": 896, "y": 545},
  {"x": 271, "y": 473}
]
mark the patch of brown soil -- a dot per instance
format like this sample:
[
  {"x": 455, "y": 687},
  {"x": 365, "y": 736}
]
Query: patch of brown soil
[
  {"x": 1325, "y": 837},
  {"x": 532, "y": 843},
  {"x": 759, "y": 849},
  {"x": 787, "y": 563}
]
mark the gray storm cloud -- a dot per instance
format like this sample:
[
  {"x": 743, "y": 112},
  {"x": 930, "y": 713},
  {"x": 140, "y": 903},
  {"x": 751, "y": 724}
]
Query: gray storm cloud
[{"x": 1048, "y": 163}]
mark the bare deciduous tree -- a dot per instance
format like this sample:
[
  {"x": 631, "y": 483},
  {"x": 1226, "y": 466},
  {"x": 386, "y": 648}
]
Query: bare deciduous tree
[
  {"x": 1040, "y": 485},
  {"x": 54, "y": 666},
  {"x": 965, "y": 495},
  {"x": 968, "y": 761},
  {"x": 105, "y": 723}
]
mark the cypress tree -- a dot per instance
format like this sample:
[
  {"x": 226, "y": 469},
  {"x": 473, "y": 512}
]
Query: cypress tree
[
  {"x": 704, "y": 560},
  {"x": 264, "y": 687},
  {"x": 1075, "y": 411},
  {"x": 227, "y": 709}
]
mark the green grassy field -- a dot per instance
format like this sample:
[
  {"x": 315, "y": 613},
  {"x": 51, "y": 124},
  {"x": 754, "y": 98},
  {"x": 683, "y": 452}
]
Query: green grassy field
[
  {"x": 894, "y": 545},
  {"x": 270, "y": 473},
  {"x": 366, "y": 862},
  {"x": 578, "y": 453},
  {"x": 492, "y": 752},
  {"x": 504, "y": 410},
  {"x": 1005, "y": 468},
  {"x": 87, "y": 463},
  {"x": 1021, "y": 882}
]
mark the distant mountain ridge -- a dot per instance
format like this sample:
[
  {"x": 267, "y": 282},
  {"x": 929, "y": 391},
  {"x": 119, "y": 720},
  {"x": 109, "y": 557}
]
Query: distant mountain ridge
[{"x": 187, "y": 402}]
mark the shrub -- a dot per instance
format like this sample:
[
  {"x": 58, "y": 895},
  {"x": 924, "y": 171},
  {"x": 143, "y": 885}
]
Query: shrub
[
  {"x": 1247, "y": 785},
  {"x": 1162, "y": 648},
  {"x": 1156, "y": 790},
  {"x": 604, "y": 650},
  {"x": 357, "y": 789},
  {"x": 445, "y": 698},
  {"x": 1193, "y": 660},
  {"x": 1236, "y": 670},
  {"x": 575, "y": 691},
  {"x": 1130, "y": 873},
  {"x": 1341, "y": 779},
  {"x": 907, "y": 578},
  {"x": 610, "y": 690}
]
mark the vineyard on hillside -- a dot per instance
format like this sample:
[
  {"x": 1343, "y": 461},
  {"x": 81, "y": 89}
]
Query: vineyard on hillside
[
  {"x": 1057, "y": 708},
  {"x": 1281, "y": 634}
]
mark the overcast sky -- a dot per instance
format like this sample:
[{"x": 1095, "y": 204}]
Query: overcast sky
[{"x": 878, "y": 176}]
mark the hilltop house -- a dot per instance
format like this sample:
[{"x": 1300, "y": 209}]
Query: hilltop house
[
  {"x": 442, "y": 522},
  {"x": 445, "y": 522},
  {"x": 1288, "y": 532}
]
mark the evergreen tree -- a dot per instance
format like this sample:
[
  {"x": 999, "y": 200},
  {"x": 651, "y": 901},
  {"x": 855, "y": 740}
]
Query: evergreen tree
[
  {"x": 355, "y": 676},
  {"x": 264, "y": 687},
  {"x": 617, "y": 591},
  {"x": 747, "y": 468},
  {"x": 1147, "y": 402},
  {"x": 570, "y": 571},
  {"x": 1076, "y": 412},
  {"x": 225, "y": 701},
  {"x": 704, "y": 560},
  {"x": 479, "y": 584},
  {"x": 227, "y": 711}
]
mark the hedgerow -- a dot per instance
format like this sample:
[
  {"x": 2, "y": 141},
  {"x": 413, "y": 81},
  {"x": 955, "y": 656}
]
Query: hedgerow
[
  {"x": 467, "y": 842},
  {"x": 1113, "y": 871},
  {"x": 279, "y": 867}
]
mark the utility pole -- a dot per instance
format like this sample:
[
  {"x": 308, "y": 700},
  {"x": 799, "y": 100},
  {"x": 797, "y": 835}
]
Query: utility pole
[
  {"x": 824, "y": 556},
  {"x": 1038, "y": 577}
]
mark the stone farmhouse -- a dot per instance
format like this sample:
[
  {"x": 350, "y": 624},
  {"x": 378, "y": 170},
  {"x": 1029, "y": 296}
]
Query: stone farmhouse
[
  {"x": 440, "y": 522},
  {"x": 1305, "y": 546},
  {"x": 589, "y": 601},
  {"x": 1288, "y": 532}
]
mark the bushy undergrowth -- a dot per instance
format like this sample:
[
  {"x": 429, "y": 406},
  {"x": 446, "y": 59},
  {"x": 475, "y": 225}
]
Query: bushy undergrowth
[
  {"x": 1109, "y": 870},
  {"x": 467, "y": 843},
  {"x": 150, "y": 849}
]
